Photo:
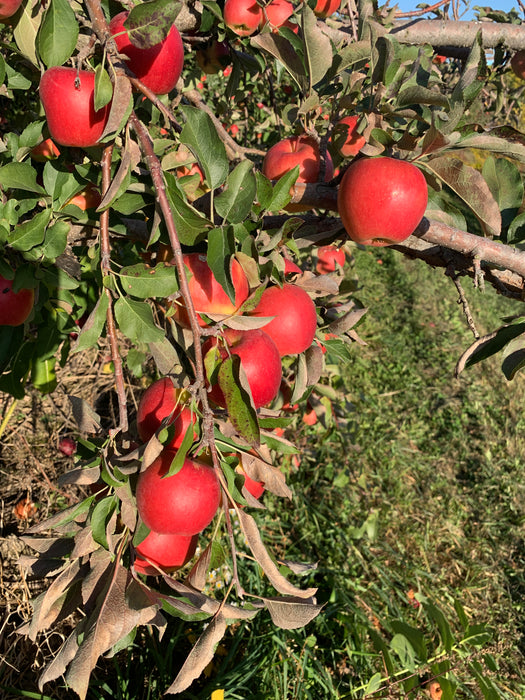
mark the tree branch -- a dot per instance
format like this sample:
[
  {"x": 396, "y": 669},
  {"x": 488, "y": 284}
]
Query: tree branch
[{"x": 450, "y": 33}]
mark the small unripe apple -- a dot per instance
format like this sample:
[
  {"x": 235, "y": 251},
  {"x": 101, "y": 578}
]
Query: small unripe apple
[
  {"x": 381, "y": 200},
  {"x": 44, "y": 151},
  {"x": 182, "y": 504},
  {"x": 353, "y": 142},
  {"x": 259, "y": 358},
  {"x": 295, "y": 319},
  {"x": 517, "y": 63},
  {"x": 325, "y": 8},
  {"x": 242, "y": 16},
  {"x": 169, "y": 552},
  {"x": 68, "y": 99},
  {"x": 158, "y": 67},
  {"x": 329, "y": 258},
  {"x": 207, "y": 294},
  {"x": 162, "y": 400},
  {"x": 15, "y": 307}
]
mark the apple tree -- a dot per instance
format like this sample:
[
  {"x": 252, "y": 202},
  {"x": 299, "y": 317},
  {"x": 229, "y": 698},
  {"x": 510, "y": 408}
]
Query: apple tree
[{"x": 184, "y": 182}]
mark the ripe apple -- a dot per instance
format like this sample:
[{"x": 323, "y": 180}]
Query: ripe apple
[
  {"x": 260, "y": 360},
  {"x": 169, "y": 552},
  {"x": 243, "y": 17},
  {"x": 44, "y": 151},
  {"x": 68, "y": 99},
  {"x": 329, "y": 258},
  {"x": 295, "y": 319},
  {"x": 162, "y": 400},
  {"x": 517, "y": 63},
  {"x": 300, "y": 150},
  {"x": 276, "y": 14},
  {"x": 182, "y": 504},
  {"x": 207, "y": 294},
  {"x": 353, "y": 141},
  {"x": 15, "y": 307},
  {"x": 381, "y": 200},
  {"x": 255, "y": 488},
  {"x": 290, "y": 268},
  {"x": 325, "y": 8},
  {"x": 158, "y": 67},
  {"x": 88, "y": 198},
  {"x": 214, "y": 56},
  {"x": 8, "y": 8}
]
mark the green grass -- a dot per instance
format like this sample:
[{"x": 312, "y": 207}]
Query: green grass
[{"x": 415, "y": 488}]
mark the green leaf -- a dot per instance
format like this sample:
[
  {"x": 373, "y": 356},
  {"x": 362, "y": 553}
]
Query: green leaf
[
  {"x": 414, "y": 636},
  {"x": 99, "y": 519},
  {"x": 489, "y": 345},
  {"x": 30, "y": 233},
  {"x": 468, "y": 86},
  {"x": 199, "y": 134},
  {"x": 54, "y": 244},
  {"x": 280, "y": 48},
  {"x": 417, "y": 94},
  {"x": 514, "y": 357},
  {"x": 94, "y": 326},
  {"x": 135, "y": 320},
  {"x": 190, "y": 224},
  {"x": 58, "y": 33},
  {"x": 150, "y": 22},
  {"x": 471, "y": 187},
  {"x": 281, "y": 190},
  {"x": 26, "y": 29},
  {"x": 318, "y": 47},
  {"x": 221, "y": 247},
  {"x": 144, "y": 281},
  {"x": 238, "y": 401},
  {"x": 20, "y": 176},
  {"x": 178, "y": 460},
  {"x": 43, "y": 374},
  {"x": 235, "y": 201},
  {"x": 404, "y": 650},
  {"x": 103, "y": 88},
  {"x": 10, "y": 340},
  {"x": 437, "y": 616},
  {"x": 504, "y": 180}
]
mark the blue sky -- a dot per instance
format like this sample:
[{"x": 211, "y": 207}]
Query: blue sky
[{"x": 505, "y": 5}]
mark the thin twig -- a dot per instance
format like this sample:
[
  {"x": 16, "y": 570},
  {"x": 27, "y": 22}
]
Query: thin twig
[
  {"x": 424, "y": 11},
  {"x": 450, "y": 272}
]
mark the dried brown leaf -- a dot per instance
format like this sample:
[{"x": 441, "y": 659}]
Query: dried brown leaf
[
  {"x": 52, "y": 547},
  {"x": 278, "y": 581},
  {"x": 80, "y": 476},
  {"x": 64, "y": 656},
  {"x": 84, "y": 544},
  {"x": 314, "y": 364},
  {"x": 259, "y": 470},
  {"x": 200, "y": 656},
  {"x": 130, "y": 157},
  {"x": 85, "y": 417},
  {"x": 290, "y": 613},
  {"x": 204, "y": 603},
  {"x": 199, "y": 572},
  {"x": 120, "y": 104},
  {"x": 344, "y": 323}
]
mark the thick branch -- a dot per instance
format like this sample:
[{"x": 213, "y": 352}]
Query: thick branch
[{"x": 449, "y": 33}]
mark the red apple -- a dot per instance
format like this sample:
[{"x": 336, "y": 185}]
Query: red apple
[
  {"x": 213, "y": 57},
  {"x": 329, "y": 258},
  {"x": 276, "y": 14},
  {"x": 295, "y": 319},
  {"x": 44, "y": 151},
  {"x": 8, "y": 8},
  {"x": 162, "y": 400},
  {"x": 68, "y": 99},
  {"x": 243, "y": 17},
  {"x": 169, "y": 552},
  {"x": 300, "y": 150},
  {"x": 290, "y": 268},
  {"x": 381, "y": 200},
  {"x": 353, "y": 141},
  {"x": 260, "y": 360},
  {"x": 517, "y": 63},
  {"x": 158, "y": 67},
  {"x": 15, "y": 307},
  {"x": 255, "y": 488},
  {"x": 182, "y": 504},
  {"x": 88, "y": 198},
  {"x": 325, "y": 8},
  {"x": 207, "y": 294}
]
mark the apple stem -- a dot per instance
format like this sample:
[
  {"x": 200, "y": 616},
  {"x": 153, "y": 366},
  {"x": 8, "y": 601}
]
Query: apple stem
[{"x": 105, "y": 267}]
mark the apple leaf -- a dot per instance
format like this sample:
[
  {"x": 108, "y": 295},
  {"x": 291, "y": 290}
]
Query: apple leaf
[
  {"x": 514, "y": 357},
  {"x": 200, "y": 135},
  {"x": 20, "y": 176},
  {"x": 221, "y": 247},
  {"x": 270, "y": 568},
  {"x": 200, "y": 656},
  {"x": 280, "y": 48},
  {"x": 149, "y": 23},
  {"x": 165, "y": 357},
  {"x": 103, "y": 88},
  {"x": 43, "y": 374},
  {"x": 235, "y": 201},
  {"x": 129, "y": 159},
  {"x": 238, "y": 399},
  {"x": 190, "y": 224},
  {"x": 26, "y": 28},
  {"x": 30, "y": 233},
  {"x": 121, "y": 106},
  {"x": 318, "y": 47},
  {"x": 143, "y": 281},
  {"x": 58, "y": 33},
  {"x": 273, "y": 478},
  {"x": 290, "y": 613},
  {"x": 94, "y": 325},
  {"x": 100, "y": 518},
  {"x": 471, "y": 187},
  {"x": 488, "y": 345},
  {"x": 504, "y": 180},
  {"x": 135, "y": 320}
]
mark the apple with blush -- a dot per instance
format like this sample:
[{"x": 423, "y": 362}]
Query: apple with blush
[
  {"x": 329, "y": 258},
  {"x": 162, "y": 400},
  {"x": 294, "y": 321},
  {"x": 15, "y": 307},
  {"x": 168, "y": 552},
  {"x": 243, "y": 17},
  {"x": 67, "y": 96},
  {"x": 182, "y": 504},
  {"x": 347, "y": 138},
  {"x": 44, "y": 151},
  {"x": 88, "y": 198},
  {"x": 8, "y": 8},
  {"x": 276, "y": 14},
  {"x": 158, "y": 67},
  {"x": 259, "y": 359},
  {"x": 382, "y": 200},
  {"x": 325, "y": 8}
]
